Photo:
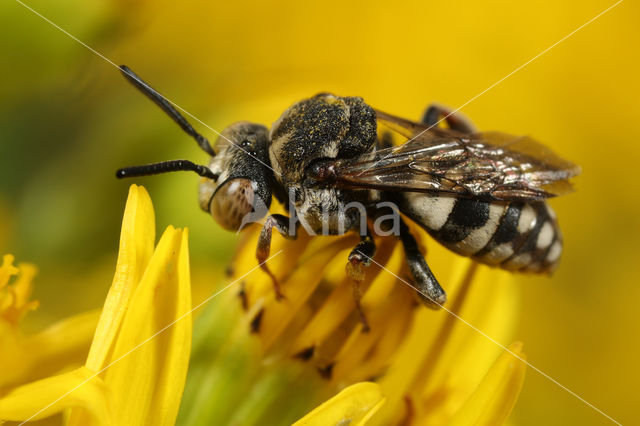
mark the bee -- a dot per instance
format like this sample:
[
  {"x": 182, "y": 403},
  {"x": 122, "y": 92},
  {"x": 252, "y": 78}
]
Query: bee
[{"x": 480, "y": 194}]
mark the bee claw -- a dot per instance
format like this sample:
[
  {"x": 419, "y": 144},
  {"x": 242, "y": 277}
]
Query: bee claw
[
  {"x": 279, "y": 295},
  {"x": 276, "y": 284},
  {"x": 364, "y": 322}
]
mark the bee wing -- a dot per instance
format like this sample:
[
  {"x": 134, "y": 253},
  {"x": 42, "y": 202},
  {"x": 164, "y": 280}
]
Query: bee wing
[{"x": 489, "y": 165}]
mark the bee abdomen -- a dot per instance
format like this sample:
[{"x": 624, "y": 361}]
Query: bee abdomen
[
  {"x": 527, "y": 239},
  {"x": 511, "y": 235}
]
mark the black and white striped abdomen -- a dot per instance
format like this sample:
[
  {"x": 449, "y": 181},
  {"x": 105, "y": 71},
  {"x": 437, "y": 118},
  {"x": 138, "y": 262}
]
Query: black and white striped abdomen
[{"x": 520, "y": 236}]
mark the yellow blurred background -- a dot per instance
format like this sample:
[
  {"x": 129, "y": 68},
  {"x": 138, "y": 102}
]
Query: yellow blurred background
[{"x": 69, "y": 120}]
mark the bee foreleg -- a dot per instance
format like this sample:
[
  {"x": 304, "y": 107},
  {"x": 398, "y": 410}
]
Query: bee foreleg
[
  {"x": 456, "y": 121},
  {"x": 359, "y": 258},
  {"x": 281, "y": 223},
  {"x": 432, "y": 294}
]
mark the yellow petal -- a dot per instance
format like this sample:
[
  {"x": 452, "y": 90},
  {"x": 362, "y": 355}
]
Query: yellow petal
[
  {"x": 493, "y": 400},
  {"x": 261, "y": 285},
  {"x": 77, "y": 388},
  {"x": 422, "y": 338},
  {"x": 23, "y": 287},
  {"x": 177, "y": 348},
  {"x": 443, "y": 360},
  {"x": 14, "y": 298},
  {"x": 16, "y": 301},
  {"x": 352, "y": 406},
  {"x": 12, "y": 366},
  {"x": 61, "y": 345},
  {"x": 279, "y": 315},
  {"x": 340, "y": 302},
  {"x": 353, "y": 359},
  {"x": 441, "y": 388},
  {"x": 136, "y": 246},
  {"x": 151, "y": 354},
  {"x": 7, "y": 270}
]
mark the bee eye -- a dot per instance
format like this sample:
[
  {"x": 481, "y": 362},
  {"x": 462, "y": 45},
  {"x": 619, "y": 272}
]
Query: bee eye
[{"x": 232, "y": 202}]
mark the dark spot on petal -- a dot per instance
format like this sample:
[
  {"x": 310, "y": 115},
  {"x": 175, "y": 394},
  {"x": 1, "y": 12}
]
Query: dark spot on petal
[
  {"x": 326, "y": 372},
  {"x": 242, "y": 294},
  {"x": 255, "y": 322},
  {"x": 229, "y": 271},
  {"x": 306, "y": 354}
]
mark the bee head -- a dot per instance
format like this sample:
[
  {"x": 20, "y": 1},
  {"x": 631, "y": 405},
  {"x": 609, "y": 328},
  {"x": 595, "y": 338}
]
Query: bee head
[
  {"x": 235, "y": 187},
  {"x": 241, "y": 194}
]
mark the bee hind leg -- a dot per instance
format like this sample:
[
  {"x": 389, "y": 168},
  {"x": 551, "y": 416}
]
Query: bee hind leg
[
  {"x": 430, "y": 291},
  {"x": 456, "y": 120},
  {"x": 359, "y": 258},
  {"x": 281, "y": 223}
]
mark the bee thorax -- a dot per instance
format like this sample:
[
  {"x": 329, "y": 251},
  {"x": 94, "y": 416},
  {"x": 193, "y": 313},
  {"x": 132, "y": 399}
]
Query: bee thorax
[{"x": 326, "y": 212}]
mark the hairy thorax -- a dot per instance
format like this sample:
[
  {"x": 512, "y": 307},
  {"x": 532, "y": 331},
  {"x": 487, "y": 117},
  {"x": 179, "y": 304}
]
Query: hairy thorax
[{"x": 327, "y": 211}]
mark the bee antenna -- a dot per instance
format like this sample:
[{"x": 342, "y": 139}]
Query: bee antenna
[
  {"x": 166, "y": 106},
  {"x": 166, "y": 167}
]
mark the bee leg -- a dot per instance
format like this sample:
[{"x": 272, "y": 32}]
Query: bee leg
[
  {"x": 359, "y": 258},
  {"x": 264, "y": 245},
  {"x": 455, "y": 120},
  {"x": 432, "y": 294},
  {"x": 385, "y": 140}
]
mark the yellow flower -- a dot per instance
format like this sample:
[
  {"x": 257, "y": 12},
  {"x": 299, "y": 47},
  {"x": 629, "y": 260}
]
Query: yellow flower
[
  {"x": 14, "y": 299},
  {"x": 489, "y": 404},
  {"x": 26, "y": 358},
  {"x": 414, "y": 366},
  {"x": 354, "y": 405},
  {"x": 137, "y": 363}
]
